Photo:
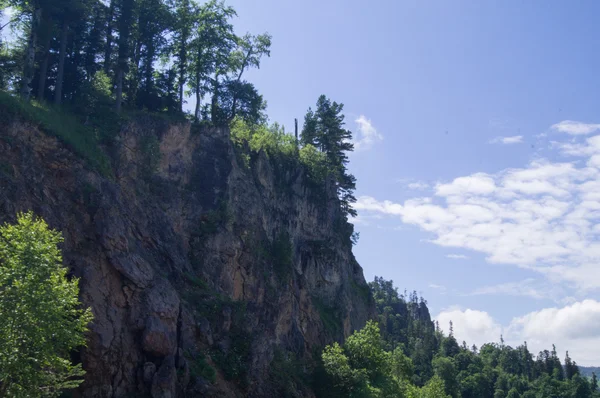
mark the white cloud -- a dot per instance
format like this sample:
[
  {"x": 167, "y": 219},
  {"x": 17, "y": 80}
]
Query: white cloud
[
  {"x": 457, "y": 256},
  {"x": 368, "y": 134},
  {"x": 472, "y": 326},
  {"x": 544, "y": 216},
  {"x": 476, "y": 184},
  {"x": 575, "y": 128},
  {"x": 515, "y": 139},
  {"x": 574, "y": 327},
  {"x": 418, "y": 186}
]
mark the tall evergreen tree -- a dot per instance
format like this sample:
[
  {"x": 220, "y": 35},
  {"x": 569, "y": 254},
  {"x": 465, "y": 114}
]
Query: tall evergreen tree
[{"x": 324, "y": 129}]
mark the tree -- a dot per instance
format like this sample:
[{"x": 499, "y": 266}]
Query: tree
[
  {"x": 41, "y": 321},
  {"x": 32, "y": 12},
  {"x": 248, "y": 54},
  {"x": 571, "y": 368},
  {"x": 350, "y": 382},
  {"x": 324, "y": 129},
  {"x": 154, "y": 20},
  {"x": 124, "y": 28},
  {"x": 594, "y": 382},
  {"x": 444, "y": 368},
  {"x": 184, "y": 17}
]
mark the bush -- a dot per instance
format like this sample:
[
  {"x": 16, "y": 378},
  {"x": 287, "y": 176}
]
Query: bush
[
  {"x": 199, "y": 367},
  {"x": 41, "y": 321}
]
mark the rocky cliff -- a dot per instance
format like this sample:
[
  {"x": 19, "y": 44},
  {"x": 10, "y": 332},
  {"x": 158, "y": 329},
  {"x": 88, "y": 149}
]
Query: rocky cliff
[{"x": 208, "y": 273}]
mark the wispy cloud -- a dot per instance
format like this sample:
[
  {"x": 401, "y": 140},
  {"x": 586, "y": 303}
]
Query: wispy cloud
[
  {"x": 367, "y": 134},
  {"x": 575, "y": 128},
  {"x": 515, "y": 139},
  {"x": 457, "y": 256},
  {"x": 544, "y": 217},
  {"x": 529, "y": 287},
  {"x": 418, "y": 186},
  {"x": 438, "y": 287}
]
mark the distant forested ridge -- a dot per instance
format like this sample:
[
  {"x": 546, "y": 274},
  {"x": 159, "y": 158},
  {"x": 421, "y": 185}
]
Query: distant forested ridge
[{"x": 409, "y": 356}]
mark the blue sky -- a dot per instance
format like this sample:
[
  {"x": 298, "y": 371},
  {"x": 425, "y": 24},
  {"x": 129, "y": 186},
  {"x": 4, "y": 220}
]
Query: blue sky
[
  {"x": 441, "y": 82},
  {"x": 474, "y": 188}
]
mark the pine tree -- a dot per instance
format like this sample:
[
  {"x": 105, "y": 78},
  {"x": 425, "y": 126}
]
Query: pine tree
[{"x": 324, "y": 129}]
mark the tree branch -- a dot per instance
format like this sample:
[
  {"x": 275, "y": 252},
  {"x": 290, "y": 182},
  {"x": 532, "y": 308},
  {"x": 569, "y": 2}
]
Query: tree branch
[{"x": 9, "y": 22}]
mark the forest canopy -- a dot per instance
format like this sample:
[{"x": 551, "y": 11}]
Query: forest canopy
[{"x": 405, "y": 354}]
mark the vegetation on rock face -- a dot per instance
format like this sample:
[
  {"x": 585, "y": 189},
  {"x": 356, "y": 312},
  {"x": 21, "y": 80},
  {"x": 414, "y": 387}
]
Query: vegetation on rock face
[
  {"x": 41, "y": 321},
  {"x": 403, "y": 350}
]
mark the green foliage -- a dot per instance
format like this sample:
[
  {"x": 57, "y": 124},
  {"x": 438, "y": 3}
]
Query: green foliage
[
  {"x": 272, "y": 139},
  {"x": 324, "y": 129},
  {"x": 41, "y": 321},
  {"x": 233, "y": 362},
  {"x": 403, "y": 355},
  {"x": 59, "y": 123},
  {"x": 361, "y": 291},
  {"x": 362, "y": 368},
  {"x": 209, "y": 224},
  {"x": 200, "y": 367},
  {"x": 329, "y": 316},
  {"x": 347, "y": 381},
  {"x": 315, "y": 163},
  {"x": 150, "y": 149},
  {"x": 287, "y": 374},
  {"x": 277, "y": 254}
]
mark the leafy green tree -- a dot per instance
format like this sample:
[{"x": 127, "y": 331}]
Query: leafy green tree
[
  {"x": 212, "y": 41},
  {"x": 315, "y": 163},
  {"x": 348, "y": 381},
  {"x": 154, "y": 20},
  {"x": 444, "y": 368},
  {"x": 182, "y": 34},
  {"x": 41, "y": 321},
  {"x": 124, "y": 24},
  {"x": 240, "y": 97},
  {"x": 433, "y": 389}
]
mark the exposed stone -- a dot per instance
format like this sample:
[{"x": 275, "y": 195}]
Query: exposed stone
[
  {"x": 137, "y": 240},
  {"x": 164, "y": 383},
  {"x": 149, "y": 371}
]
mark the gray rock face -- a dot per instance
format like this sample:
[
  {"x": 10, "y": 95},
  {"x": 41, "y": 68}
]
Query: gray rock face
[{"x": 181, "y": 264}]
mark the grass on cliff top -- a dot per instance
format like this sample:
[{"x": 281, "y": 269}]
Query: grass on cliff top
[{"x": 59, "y": 123}]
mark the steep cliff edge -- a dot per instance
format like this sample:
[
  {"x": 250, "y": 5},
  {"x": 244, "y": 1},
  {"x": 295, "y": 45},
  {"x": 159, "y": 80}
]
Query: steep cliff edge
[{"x": 208, "y": 273}]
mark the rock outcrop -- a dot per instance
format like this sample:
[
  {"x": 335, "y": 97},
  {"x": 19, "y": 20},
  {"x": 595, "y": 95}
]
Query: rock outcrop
[{"x": 202, "y": 267}]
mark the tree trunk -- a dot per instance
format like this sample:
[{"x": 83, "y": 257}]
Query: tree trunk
[
  {"x": 108, "y": 48},
  {"x": 44, "y": 69},
  {"x": 61, "y": 63},
  {"x": 197, "y": 111},
  {"x": 119, "y": 93},
  {"x": 181, "y": 95},
  {"x": 135, "y": 73},
  {"x": 214, "y": 104},
  {"x": 29, "y": 65},
  {"x": 182, "y": 62}
]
